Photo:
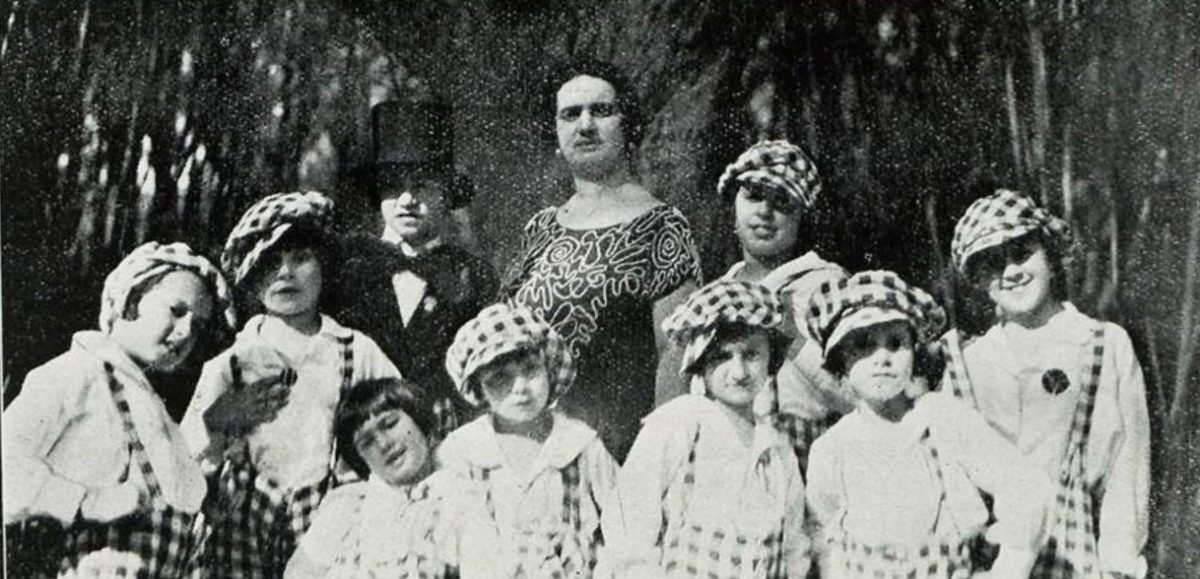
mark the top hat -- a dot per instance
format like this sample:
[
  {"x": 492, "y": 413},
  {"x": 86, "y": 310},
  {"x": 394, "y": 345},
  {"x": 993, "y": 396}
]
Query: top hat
[{"x": 416, "y": 140}]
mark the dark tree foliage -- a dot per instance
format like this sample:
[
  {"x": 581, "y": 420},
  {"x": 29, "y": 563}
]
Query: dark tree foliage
[{"x": 129, "y": 121}]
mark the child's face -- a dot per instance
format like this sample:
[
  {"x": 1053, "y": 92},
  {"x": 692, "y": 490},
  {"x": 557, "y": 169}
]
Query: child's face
[
  {"x": 1016, "y": 275},
  {"x": 170, "y": 318},
  {"x": 411, "y": 209},
  {"x": 290, "y": 282},
  {"x": 767, "y": 221},
  {"x": 517, "y": 389},
  {"x": 393, "y": 447},
  {"x": 737, "y": 368},
  {"x": 879, "y": 360}
]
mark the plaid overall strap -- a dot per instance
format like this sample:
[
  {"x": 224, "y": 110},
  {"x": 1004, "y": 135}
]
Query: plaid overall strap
[
  {"x": 956, "y": 367},
  {"x": 135, "y": 442},
  {"x": 1070, "y": 550}
]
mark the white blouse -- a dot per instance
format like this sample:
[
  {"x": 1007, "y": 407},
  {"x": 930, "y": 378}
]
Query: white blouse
[
  {"x": 64, "y": 435},
  {"x": 876, "y": 481},
  {"x": 731, "y": 486},
  {"x": 295, "y": 449},
  {"x": 521, "y": 498},
  {"x": 1007, "y": 382}
]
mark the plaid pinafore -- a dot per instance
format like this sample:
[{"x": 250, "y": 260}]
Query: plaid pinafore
[
  {"x": 716, "y": 550},
  {"x": 412, "y": 561},
  {"x": 168, "y": 542},
  {"x": 1070, "y": 549},
  {"x": 550, "y": 549},
  {"x": 938, "y": 558},
  {"x": 261, "y": 524}
]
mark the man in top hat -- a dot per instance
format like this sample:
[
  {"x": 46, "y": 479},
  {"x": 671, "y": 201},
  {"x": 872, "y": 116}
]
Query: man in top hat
[{"x": 408, "y": 287}]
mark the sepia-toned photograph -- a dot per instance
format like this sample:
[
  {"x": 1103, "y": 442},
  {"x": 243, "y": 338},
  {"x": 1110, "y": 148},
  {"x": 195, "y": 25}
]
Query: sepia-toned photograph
[{"x": 636, "y": 289}]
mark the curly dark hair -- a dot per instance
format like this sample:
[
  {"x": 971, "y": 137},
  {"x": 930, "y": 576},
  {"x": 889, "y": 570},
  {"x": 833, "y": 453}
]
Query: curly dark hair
[
  {"x": 373, "y": 397},
  {"x": 633, "y": 121},
  {"x": 1055, "y": 257}
]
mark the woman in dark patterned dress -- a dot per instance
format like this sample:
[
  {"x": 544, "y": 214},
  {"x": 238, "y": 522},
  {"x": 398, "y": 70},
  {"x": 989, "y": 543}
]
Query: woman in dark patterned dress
[{"x": 605, "y": 267}]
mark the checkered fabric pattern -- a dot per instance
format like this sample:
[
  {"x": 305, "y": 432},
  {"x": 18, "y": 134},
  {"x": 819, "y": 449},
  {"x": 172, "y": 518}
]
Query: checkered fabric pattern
[
  {"x": 164, "y": 543},
  {"x": 868, "y": 298},
  {"x": 265, "y": 222},
  {"x": 150, "y": 260},
  {"x": 550, "y": 549},
  {"x": 802, "y": 432},
  {"x": 419, "y": 560},
  {"x": 500, "y": 329},
  {"x": 263, "y": 523},
  {"x": 956, "y": 368},
  {"x": 999, "y": 217},
  {"x": 777, "y": 164},
  {"x": 717, "y": 552},
  {"x": 937, "y": 558},
  {"x": 1070, "y": 549},
  {"x": 694, "y": 324}
]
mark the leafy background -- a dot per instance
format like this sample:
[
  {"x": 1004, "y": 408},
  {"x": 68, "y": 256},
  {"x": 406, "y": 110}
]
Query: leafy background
[{"x": 129, "y": 121}]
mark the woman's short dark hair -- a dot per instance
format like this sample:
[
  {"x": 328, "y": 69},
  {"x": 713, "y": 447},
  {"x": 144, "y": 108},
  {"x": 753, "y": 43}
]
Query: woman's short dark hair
[
  {"x": 928, "y": 361},
  {"x": 371, "y": 398},
  {"x": 729, "y": 332},
  {"x": 633, "y": 122}
]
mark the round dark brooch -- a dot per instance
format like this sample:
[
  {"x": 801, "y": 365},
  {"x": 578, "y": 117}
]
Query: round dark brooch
[{"x": 1055, "y": 381}]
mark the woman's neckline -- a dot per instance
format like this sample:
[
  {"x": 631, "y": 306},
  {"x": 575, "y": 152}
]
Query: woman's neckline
[{"x": 650, "y": 209}]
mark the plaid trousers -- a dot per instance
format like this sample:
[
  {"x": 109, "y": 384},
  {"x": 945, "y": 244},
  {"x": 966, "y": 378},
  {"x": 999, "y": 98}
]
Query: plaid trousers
[
  {"x": 718, "y": 551},
  {"x": 260, "y": 527}
]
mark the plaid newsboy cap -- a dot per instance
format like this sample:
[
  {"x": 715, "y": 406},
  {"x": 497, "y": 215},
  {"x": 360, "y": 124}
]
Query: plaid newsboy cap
[
  {"x": 265, "y": 222},
  {"x": 693, "y": 324},
  {"x": 866, "y": 299},
  {"x": 150, "y": 260},
  {"x": 500, "y": 329},
  {"x": 1000, "y": 217},
  {"x": 777, "y": 164}
]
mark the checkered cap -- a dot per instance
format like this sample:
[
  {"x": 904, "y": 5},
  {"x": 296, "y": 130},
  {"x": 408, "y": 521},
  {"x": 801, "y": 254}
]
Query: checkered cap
[
  {"x": 868, "y": 298},
  {"x": 778, "y": 164},
  {"x": 694, "y": 324},
  {"x": 264, "y": 224},
  {"x": 500, "y": 329},
  {"x": 999, "y": 217},
  {"x": 150, "y": 260}
]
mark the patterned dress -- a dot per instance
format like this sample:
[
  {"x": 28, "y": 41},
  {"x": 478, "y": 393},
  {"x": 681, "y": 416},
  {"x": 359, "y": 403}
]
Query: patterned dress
[{"x": 597, "y": 287}]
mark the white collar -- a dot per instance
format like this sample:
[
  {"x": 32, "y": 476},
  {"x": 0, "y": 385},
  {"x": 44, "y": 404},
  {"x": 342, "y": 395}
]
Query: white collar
[{"x": 408, "y": 249}]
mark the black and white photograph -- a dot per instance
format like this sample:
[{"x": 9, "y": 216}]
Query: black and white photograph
[{"x": 629, "y": 289}]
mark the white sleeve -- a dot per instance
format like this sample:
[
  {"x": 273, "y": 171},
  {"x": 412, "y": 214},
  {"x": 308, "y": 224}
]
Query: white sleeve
[
  {"x": 208, "y": 448},
  {"x": 33, "y": 423}
]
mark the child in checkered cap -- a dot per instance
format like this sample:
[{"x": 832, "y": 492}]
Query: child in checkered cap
[
  {"x": 390, "y": 524},
  {"x": 895, "y": 485},
  {"x": 709, "y": 488},
  {"x": 261, "y": 419},
  {"x": 773, "y": 189},
  {"x": 1063, "y": 387},
  {"x": 98, "y": 479},
  {"x": 533, "y": 481}
]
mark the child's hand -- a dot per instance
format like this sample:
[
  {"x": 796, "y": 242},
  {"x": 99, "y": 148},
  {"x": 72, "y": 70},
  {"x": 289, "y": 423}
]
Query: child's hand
[
  {"x": 107, "y": 504},
  {"x": 240, "y": 410}
]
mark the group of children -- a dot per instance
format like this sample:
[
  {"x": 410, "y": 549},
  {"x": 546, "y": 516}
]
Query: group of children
[{"x": 810, "y": 439}]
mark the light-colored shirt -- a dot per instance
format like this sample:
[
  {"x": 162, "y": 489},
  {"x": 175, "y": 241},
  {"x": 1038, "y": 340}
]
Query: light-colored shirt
[
  {"x": 876, "y": 480},
  {"x": 63, "y": 435},
  {"x": 736, "y": 486},
  {"x": 521, "y": 498},
  {"x": 373, "y": 527},
  {"x": 1007, "y": 382},
  {"x": 295, "y": 449}
]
